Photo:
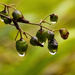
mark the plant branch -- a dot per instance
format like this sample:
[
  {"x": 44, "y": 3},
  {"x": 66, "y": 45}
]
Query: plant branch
[
  {"x": 9, "y": 6},
  {"x": 39, "y": 25},
  {"x": 18, "y": 28},
  {"x": 6, "y": 17}
]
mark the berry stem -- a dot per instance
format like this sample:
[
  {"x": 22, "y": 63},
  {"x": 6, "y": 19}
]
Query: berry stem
[
  {"x": 26, "y": 33},
  {"x": 3, "y": 4},
  {"x": 56, "y": 30},
  {"x": 8, "y": 10},
  {"x": 46, "y": 22},
  {"x": 17, "y": 35},
  {"x": 40, "y": 22},
  {"x": 12, "y": 7},
  {"x": 8, "y": 6},
  {"x": 46, "y": 17},
  {"x": 20, "y": 34}
]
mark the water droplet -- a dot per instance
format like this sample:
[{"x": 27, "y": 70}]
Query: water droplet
[
  {"x": 53, "y": 22},
  {"x": 2, "y": 20},
  {"x": 43, "y": 43},
  {"x": 21, "y": 54},
  {"x": 53, "y": 52}
]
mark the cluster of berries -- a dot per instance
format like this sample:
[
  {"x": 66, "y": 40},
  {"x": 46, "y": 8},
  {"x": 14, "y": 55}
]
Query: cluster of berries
[{"x": 41, "y": 35}]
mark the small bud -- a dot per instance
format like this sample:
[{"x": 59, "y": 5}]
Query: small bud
[
  {"x": 64, "y": 33},
  {"x": 53, "y": 17}
]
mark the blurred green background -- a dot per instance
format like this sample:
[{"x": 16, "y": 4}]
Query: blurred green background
[{"x": 38, "y": 61}]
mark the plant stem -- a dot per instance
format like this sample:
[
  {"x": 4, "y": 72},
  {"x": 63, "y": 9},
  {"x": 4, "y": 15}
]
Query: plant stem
[
  {"x": 17, "y": 35},
  {"x": 46, "y": 22},
  {"x": 8, "y": 10},
  {"x": 39, "y": 25},
  {"x": 20, "y": 34},
  {"x": 6, "y": 17},
  {"x": 18, "y": 28},
  {"x": 9, "y": 6},
  {"x": 3, "y": 4},
  {"x": 56, "y": 30},
  {"x": 26, "y": 33},
  {"x": 46, "y": 17}
]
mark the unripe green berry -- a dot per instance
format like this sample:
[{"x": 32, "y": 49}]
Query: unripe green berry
[
  {"x": 7, "y": 21},
  {"x": 21, "y": 45},
  {"x": 50, "y": 35},
  {"x": 52, "y": 44},
  {"x": 64, "y": 33},
  {"x": 41, "y": 35},
  {"x": 34, "y": 41},
  {"x": 4, "y": 13},
  {"x": 53, "y": 17},
  {"x": 16, "y": 14}
]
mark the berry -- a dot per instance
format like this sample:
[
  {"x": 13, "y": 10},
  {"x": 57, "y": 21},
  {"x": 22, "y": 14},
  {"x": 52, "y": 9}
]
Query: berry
[
  {"x": 50, "y": 35},
  {"x": 41, "y": 35},
  {"x": 64, "y": 33},
  {"x": 34, "y": 41},
  {"x": 21, "y": 45},
  {"x": 53, "y": 17},
  {"x": 7, "y": 21},
  {"x": 52, "y": 45},
  {"x": 4, "y": 13},
  {"x": 0, "y": 13},
  {"x": 16, "y": 14}
]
